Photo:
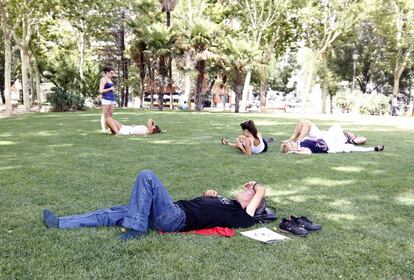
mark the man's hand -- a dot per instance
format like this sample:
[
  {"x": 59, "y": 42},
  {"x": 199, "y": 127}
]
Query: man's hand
[
  {"x": 211, "y": 193},
  {"x": 249, "y": 185}
]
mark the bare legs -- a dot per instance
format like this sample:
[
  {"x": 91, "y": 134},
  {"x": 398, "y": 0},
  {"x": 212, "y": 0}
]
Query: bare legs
[
  {"x": 113, "y": 125},
  {"x": 301, "y": 130}
]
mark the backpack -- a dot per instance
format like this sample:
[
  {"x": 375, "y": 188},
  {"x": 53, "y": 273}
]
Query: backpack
[{"x": 265, "y": 214}]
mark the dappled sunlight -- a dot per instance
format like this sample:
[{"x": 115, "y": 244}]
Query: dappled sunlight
[
  {"x": 10, "y": 167},
  {"x": 340, "y": 217},
  {"x": 348, "y": 168},
  {"x": 378, "y": 172},
  {"x": 327, "y": 182},
  {"x": 164, "y": 142},
  {"x": 7, "y": 143},
  {"x": 341, "y": 203},
  {"x": 406, "y": 199},
  {"x": 45, "y": 133},
  {"x": 61, "y": 145},
  {"x": 6, "y": 134}
]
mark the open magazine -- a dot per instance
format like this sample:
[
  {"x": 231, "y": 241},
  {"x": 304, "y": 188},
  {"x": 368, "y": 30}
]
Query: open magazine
[{"x": 265, "y": 235}]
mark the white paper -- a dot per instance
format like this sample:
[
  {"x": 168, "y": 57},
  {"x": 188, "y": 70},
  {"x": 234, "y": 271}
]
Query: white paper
[{"x": 265, "y": 235}]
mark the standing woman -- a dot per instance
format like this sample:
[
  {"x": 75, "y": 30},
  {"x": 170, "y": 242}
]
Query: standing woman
[
  {"x": 251, "y": 142},
  {"x": 106, "y": 91}
]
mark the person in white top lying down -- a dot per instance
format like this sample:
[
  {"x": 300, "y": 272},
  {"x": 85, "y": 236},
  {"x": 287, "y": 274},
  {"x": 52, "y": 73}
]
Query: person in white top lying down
[{"x": 118, "y": 128}]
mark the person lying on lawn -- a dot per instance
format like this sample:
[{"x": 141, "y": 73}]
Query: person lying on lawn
[
  {"x": 307, "y": 129},
  {"x": 250, "y": 142},
  {"x": 316, "y": 146},
  {"x": 120, "y": 129},
  {"x": 151, "y": 207}
]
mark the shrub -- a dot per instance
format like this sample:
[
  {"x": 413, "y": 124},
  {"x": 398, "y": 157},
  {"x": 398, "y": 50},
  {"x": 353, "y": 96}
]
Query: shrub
[
  {"x": 374, "y": 104},
  {"x": 345, "y": 100},
  {"x": 63, "y": 101}
]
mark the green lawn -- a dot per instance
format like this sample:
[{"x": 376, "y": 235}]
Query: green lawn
[{"x": 63, "y": 162}]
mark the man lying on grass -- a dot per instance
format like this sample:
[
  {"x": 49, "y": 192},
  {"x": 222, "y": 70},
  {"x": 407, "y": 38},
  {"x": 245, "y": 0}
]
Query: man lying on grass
[{"x": 151, "y": 207}]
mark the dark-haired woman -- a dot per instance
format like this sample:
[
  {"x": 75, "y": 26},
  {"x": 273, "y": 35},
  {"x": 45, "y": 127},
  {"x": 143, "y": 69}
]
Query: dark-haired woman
[
  {"x": 251, "y": 142},
  {"x": 106, "y": 91}
]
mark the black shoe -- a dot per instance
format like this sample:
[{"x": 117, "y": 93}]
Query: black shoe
[
  {"x": 306, "y": 223},
  {"x": 50, "y": 219},
  {"x": 291, "y": 226},
  {"x": 379, "y": 148}
]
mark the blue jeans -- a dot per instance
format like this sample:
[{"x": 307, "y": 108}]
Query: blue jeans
[{"x": 150, "y": 207}]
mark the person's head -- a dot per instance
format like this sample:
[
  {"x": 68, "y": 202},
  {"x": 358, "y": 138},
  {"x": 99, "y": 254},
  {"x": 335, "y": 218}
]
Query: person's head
[
  {"x": 156, "y": 129},
  {"x": 108, "y": 71},
  {"x": 351, "y": 138},
  {"x": 289, "y": 146},
  {"x": 245, "y": 196},
  {"x": 249, "y": 128}
]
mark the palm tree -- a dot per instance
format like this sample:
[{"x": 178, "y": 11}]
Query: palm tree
[{"x": 240, "y": 55}]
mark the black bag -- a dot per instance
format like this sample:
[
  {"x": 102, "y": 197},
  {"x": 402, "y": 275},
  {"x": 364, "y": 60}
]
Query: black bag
[{"x": 265, "y": 214}]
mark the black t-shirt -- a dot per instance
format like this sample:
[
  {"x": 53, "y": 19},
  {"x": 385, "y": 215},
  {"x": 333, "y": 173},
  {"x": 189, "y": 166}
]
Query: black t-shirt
[{"x": 208, "y": 212}]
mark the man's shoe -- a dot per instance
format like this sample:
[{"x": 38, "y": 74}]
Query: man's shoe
[
  {"x": 131, "y": 234},
  {"x": 379, "y": 148},
  {"x": 306, "y": 223},
  {"x": 291, "y": 226},
  {"x": 50, "y": 219}
]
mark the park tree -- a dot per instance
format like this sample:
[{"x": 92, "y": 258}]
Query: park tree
[
  {"x": 324, "y": 21},
  {"x": 266, "y": 22},
  {"x": 395, "y": 20},
  {"x": 9, "y": 25},
  {"x": 197, "y": 36}
]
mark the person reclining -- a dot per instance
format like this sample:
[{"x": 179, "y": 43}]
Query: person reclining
[
  {"x": 120, "y": 129},
  {"x": 307, "y": 138},
  {"x": 307, "y": 129},
  {"x": 151, "y": 207}
]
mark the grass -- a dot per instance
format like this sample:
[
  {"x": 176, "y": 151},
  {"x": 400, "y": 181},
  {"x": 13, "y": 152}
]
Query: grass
[{"x": 62, "y": 161}]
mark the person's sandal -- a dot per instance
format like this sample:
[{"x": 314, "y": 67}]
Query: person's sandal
[{"x": 379, "y": 148}]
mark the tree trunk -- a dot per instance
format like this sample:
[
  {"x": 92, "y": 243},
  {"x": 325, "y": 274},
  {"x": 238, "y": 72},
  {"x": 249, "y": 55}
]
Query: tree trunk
[
  {"x": 399, "y": 68},
  {"x": 263, "y": 91},
  {"x": 238, "y": 88},
  {"x": 37, "y": 80},
  {"x": 325, "y": 90},
  {"x": 7, "y": 69},
  {"x": 308, "y": 87},
  {"x": 125, "y": 78},
  {"x": 187, "y": 90},
  {"x": 142, "y": 77},
  {"x": 81, "y": 60},
  {"x": 24, "y": 53},
  {"x": 245, "y": 91},
  {"x": 200, "y": 80}
]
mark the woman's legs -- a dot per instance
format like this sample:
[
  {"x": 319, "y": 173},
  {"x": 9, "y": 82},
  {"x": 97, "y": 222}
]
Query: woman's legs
[
  {"x": 301, "y": 130},
  {"x": 113, "y": 125}
]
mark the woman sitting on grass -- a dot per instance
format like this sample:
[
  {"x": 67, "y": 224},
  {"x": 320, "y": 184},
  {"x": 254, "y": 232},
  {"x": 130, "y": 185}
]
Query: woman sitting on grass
[
  {"x": 119, "y": 129},
  {"x": 251, "y": 142}
]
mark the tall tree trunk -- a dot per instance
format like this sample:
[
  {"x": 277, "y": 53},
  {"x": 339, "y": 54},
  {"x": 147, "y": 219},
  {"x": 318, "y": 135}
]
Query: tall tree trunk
[
  {"x": 308, "y": 87},
  {"x": 245, "y": 91},
  {"x": 24, "y": 53},
  {"x": 238, "y": 88},
  {"x": 81, "y": 58},
  {"x": 187, "y": 90},
  {"x": 325, "y": 90},
  {"x": 125, "y": 78},
  {"x": 7, "y": 69},
  {"x": 142, "y": 76},
  {"x": 399, "y": 68},
  {"x": 201, "y": 65},
  {"x": 263, "y": 91}
]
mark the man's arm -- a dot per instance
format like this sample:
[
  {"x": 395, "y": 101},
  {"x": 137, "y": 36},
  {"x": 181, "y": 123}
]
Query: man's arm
[
  {"x": 150, "y": 125},
  {"x": 260, "y": 192}
]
